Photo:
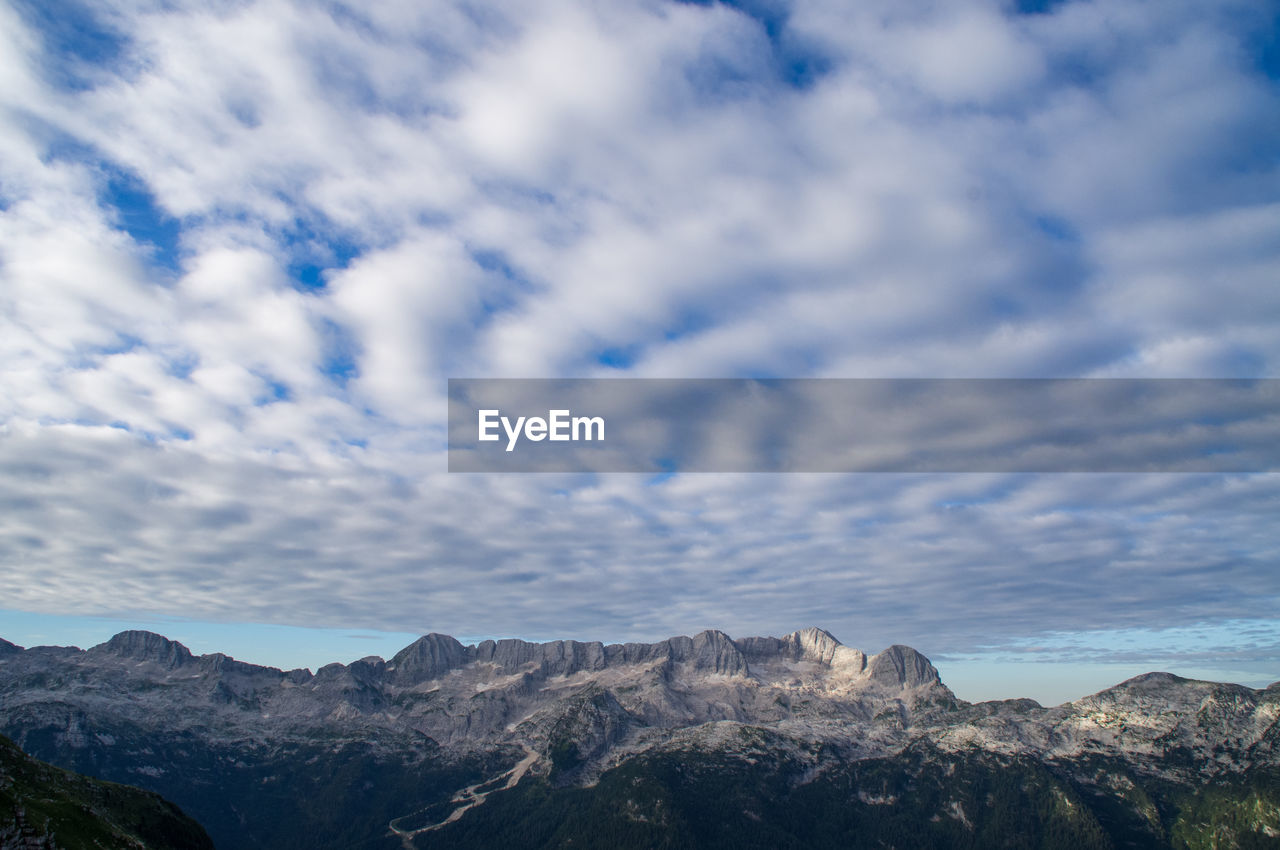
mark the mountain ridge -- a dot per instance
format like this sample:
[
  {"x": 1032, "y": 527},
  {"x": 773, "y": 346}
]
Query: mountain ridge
[
  {"x": 491, "y": 717},
  {"x": 434, "y": 654}
]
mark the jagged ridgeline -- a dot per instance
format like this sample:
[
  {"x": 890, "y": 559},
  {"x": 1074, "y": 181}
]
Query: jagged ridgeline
[{"x": 701, "y": 741}]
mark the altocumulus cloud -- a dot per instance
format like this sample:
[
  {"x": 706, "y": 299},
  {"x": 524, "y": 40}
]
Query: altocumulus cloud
[{"x": 242, "y": 246}]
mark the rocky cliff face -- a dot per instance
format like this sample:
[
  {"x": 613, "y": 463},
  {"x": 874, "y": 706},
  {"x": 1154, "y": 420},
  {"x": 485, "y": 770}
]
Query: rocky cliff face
[
  {"x": 513, "y": 691},
  {"x": 467, "y": 696},
  {"x": 143, "y": 709}
]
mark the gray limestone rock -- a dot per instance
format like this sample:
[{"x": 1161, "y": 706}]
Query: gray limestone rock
[
  {"x": 427, "y": 658},
  {"x": 902, "y": 666},
  {"x": 145, "y": 646}
]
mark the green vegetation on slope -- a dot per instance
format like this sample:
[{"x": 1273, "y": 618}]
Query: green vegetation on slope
[
  {"x": 1243, "y": 815},
  {"x": 717, "y": 800},
  {"x": 761, "y": 797},
  {"x": 45, "y": 806},
  {"x": 328, "y": 793}
]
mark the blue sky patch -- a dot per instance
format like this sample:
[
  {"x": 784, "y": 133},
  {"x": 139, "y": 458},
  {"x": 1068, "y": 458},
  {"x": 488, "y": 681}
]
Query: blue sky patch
[
  {"x": 341, "y": 352},
  {"x": 315, "y": 250},
  {"x": 138, "y": 214},
  {"x": 791, "y": 60},
  {"x": 794, "y": 206},
  {"x": 79, "y": 39},
  {"x": 618, "y": 357}
]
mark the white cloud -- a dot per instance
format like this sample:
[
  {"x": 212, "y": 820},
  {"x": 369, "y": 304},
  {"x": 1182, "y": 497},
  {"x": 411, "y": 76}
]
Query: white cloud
[
  {"x": 976, "y": 55},
  {"x": 952, "y": 190},
  {"x": 406, "y": 305}
]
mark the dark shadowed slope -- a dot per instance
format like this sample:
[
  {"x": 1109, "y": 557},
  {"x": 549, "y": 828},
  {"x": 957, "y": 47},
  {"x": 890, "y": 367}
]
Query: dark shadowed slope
[{"x": 42, "y": 806}]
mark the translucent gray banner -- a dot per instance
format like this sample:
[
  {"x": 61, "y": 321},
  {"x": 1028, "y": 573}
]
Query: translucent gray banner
[{"x": 864, "y": 425}]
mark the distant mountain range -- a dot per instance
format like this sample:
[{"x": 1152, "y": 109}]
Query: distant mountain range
[{"x": 701, "y": 741}]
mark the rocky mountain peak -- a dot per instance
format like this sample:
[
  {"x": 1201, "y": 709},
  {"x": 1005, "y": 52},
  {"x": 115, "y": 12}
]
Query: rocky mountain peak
[
  {"x": 427, "y": 658},
  {"x": 815, "y": 644},
  {"x": 814, "y": 636},
  {"x": 146, "y": 646},
  {"x": 6, "y": 647},
  {"x": 558, "y": 657},
  {"x": 711, "y": 651},
  {"x": 902, "y": 666},
  {"x": 571, "y": 712}
]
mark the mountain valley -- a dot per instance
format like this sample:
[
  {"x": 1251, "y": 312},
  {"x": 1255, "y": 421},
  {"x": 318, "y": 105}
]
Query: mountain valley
[{"x": 703, "y": 741}]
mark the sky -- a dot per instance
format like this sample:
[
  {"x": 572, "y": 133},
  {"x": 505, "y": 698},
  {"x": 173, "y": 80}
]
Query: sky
[{"x": 243, "y": 246}]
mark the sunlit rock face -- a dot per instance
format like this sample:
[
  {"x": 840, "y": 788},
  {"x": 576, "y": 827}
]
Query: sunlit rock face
[{"x": 144, "y": 710}]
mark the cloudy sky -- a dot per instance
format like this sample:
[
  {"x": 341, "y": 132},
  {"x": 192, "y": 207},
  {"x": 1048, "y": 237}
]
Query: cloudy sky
[{"x": 244, "y": 244}]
